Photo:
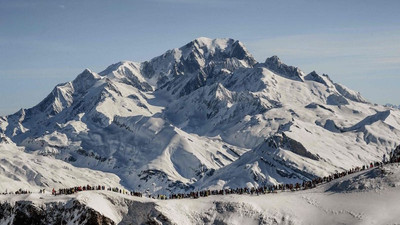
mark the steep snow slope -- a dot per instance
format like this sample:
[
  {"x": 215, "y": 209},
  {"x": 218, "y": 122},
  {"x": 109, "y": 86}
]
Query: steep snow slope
[
  {"x": 33, "y": 172},
  {"x": 196, "y": 115}
]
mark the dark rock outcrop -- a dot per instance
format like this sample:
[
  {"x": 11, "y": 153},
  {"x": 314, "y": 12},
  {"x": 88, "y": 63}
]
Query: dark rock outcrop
[
  {"x": 288, "y": 143},
  {"x": 72, "y": 212},
  {"x": 274, "y": 63}
]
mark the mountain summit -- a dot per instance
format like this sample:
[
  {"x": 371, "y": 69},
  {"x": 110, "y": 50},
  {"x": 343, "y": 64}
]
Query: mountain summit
[{"x": 206, "y": 115}]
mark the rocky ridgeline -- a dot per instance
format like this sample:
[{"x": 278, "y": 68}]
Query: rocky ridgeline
[{"x": 73, "y": 212}]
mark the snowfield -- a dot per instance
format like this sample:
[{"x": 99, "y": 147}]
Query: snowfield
[
  {"x": 367, "y": 197},
  {"x": 370, "y": 197},
  {"x": 21, "y": 170}
]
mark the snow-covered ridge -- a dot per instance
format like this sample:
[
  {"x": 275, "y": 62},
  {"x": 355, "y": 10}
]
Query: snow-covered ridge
[
  {"x": 392, "y": 106},
  {"x": 32, "y": 172},
  {"x": 197, "y": 114},
  {"x": 367, "y": 197}
]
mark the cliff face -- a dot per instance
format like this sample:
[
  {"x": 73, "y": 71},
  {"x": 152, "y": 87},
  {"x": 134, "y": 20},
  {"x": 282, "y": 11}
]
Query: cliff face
[
  {"x": 72, "y": 212},
  {"x": 83, "y": 208}
]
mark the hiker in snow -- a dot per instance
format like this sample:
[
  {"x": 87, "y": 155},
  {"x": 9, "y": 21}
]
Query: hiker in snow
[{"x": 384, "y": 160}]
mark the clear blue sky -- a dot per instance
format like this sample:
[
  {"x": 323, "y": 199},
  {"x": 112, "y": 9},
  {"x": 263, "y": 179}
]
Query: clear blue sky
[{"x": 43, "y": 43}]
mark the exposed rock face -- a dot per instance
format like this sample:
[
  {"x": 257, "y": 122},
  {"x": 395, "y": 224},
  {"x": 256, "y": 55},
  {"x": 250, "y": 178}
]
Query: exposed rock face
[
  {"x": 73, "y": 212},
  {"x": 283, "y": 141},
  {"x": 395, "y": 154},
  {"x": 144, "y": 213},
  {"x": 274, "y": 63},
  {"x": 324, "y": 79}
]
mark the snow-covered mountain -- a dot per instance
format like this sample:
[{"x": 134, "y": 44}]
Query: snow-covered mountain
[
  {"x": 206, "y": 115},
  {"x": 392, "y": 106}
]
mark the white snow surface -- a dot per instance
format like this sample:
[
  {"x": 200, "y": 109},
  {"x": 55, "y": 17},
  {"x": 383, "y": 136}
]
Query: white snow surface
[
  {"x": 367, "y": 197},
  {"x": 30, "y": 172},
  {"x": 205, "y": 115},
  {"x": 370, "y": 197}
]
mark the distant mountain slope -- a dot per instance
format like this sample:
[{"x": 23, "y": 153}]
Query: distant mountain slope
[
  {"x": 200, "y": 116},
  {"x": 393, "y": 106},
  {"x": 20, "y": 170}
]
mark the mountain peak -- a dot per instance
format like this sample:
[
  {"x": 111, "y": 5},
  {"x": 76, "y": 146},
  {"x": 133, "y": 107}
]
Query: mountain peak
[
  {"x": 203, "y": 40},
  {"x": 85, "y": 80},
  {"x": 195, "y": 62},
  {"x": 313, "y": 73},
  {"x": 87, "y": 70},
  {"x": 220, "y": 47},
  {"x": 275, "y": 64},
  {"x": 221, "y": 43},
  {"x": 86, "y": 74},
  {"x": 273, "y": 60},
  {"x": 175, "y": 120},
  {"x": 314, "y": 76}
]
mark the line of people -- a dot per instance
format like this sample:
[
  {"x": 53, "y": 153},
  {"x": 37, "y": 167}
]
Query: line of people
[
  {"x": 73, "y": 190},
  {"x": 18, "y": 192},
  {"x": 270, "y": 188},
  {"x": 204, "y": 193}
]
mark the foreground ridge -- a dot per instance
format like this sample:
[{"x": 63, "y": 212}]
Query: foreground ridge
[
  {"x": 305, "y": 185},
  {"x": 217, "y": 207}
]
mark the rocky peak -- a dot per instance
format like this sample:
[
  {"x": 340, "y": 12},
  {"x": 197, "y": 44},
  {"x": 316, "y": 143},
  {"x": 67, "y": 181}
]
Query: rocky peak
[
  {"x": 185, "y": 69},
  {"x": 275, "y": 64},
  {"x": 273, "y": 60},
  {"x": 324, "y": 79},
  {"x": 221, "y": 48},
  {"x": 85, "y": 80}
]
